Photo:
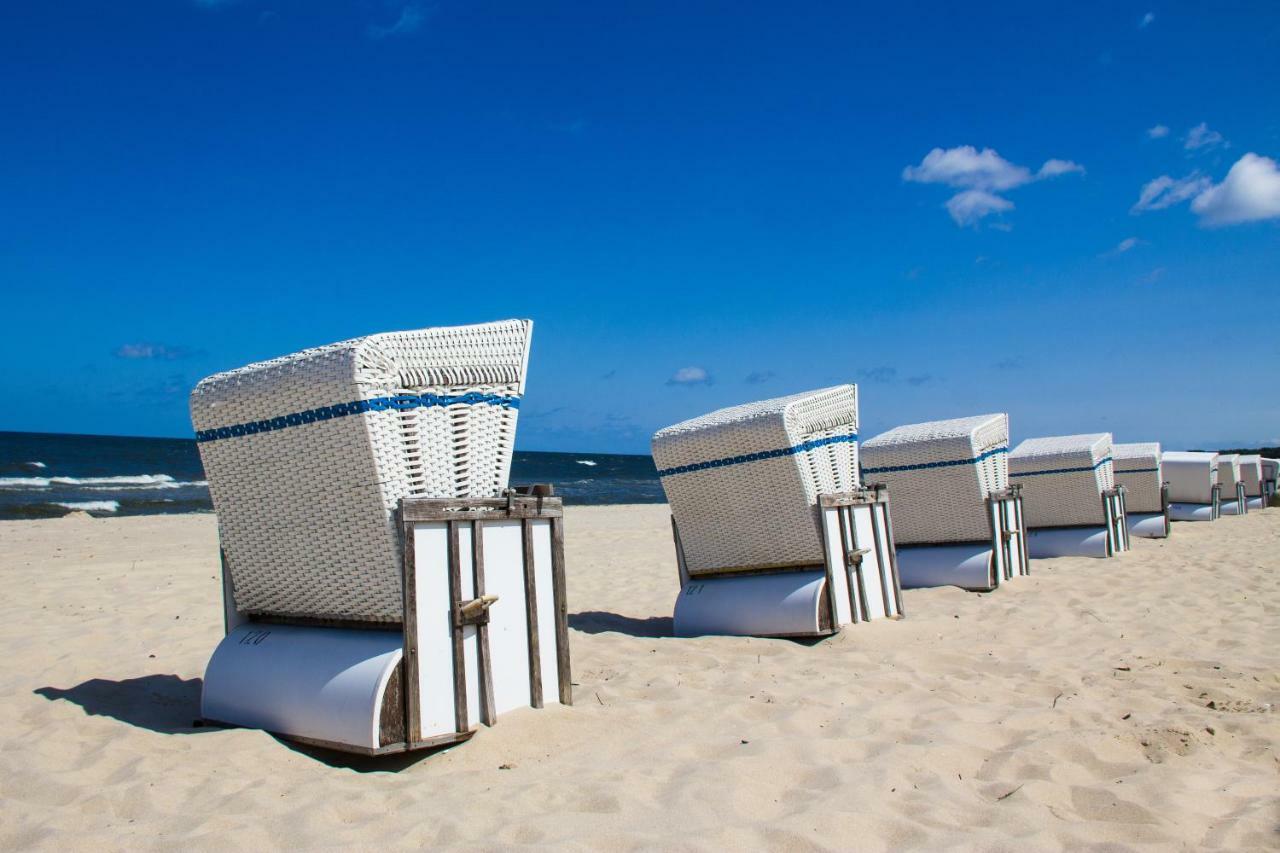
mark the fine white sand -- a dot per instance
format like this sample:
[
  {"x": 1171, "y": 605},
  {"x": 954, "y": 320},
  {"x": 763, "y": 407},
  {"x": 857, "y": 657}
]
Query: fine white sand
[{"x": 1100, "y": 704}]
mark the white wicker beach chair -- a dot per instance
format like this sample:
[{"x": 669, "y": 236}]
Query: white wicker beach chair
[
  {"x": 759, "y": 493},
  {"x": 1194, "y": 492},
  {"x": 308, "y": 457},
  {"x": 371, "y": 546},
  {"x": 1231, "y": 480},
  {"x": 1073, "y": 507},
  {"x": 1251, "y": 477},
  {"x": 956, "y": 520},
  {"x": 1146, "y": 498},
  {"x": 1270, "y": 479}
]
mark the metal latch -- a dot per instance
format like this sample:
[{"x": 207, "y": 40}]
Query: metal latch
[{"x": 476, "y": 611}]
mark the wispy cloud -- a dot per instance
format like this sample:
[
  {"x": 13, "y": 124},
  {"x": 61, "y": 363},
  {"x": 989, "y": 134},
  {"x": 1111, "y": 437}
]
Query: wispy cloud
[
  {"x": 1160, "y": 131},
  {"x": 1123, "y": 246},
  {"x": 759, "y": 377},
  {"x": 609, "y": 374},
  {"x": 1147, "y": 20},
  {"x": 1153, "y": 276},
  {"x": 878, "y": 375},
  {"x": 1249, "y": 193},
  {"x": 970, "y": 206},
  {"x": 160, "y": 352},
  {"x": 1165, "y": 191},
  {"x": 980, "y": 176},
  {"x": 921, "y": 379},
  {"x": 1053, "y": 168},
  {"x": 1008, "y": 363},
  {"x": 691, "y": 376},
  {"x": 408, "y": 23},
  {"x": 1201, "y": 136}
]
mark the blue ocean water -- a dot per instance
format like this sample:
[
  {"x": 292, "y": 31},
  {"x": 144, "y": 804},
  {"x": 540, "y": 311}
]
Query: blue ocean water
[{"x": 45, "y": 475}]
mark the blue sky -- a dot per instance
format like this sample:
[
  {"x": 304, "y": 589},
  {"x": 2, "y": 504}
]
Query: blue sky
[{"x": 1069, "y": 212}]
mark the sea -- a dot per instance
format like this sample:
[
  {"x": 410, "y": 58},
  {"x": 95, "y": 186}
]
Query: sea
[{"x": 44, "y": 475}]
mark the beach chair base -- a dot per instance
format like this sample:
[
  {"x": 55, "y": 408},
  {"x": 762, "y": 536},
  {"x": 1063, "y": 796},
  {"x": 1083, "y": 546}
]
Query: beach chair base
[
  {"x": 1193, "y": 512},
  {"x": 1256, "y": 503},
  {"x": 1238, "y": 504},
  {"x": 484, "y": 631},
  {"x": 975, "y": 566},
  {"x": 858, "y": 581},
  {"x": 1149, "y": 525},
  {"x": 1103, "y": 540}
]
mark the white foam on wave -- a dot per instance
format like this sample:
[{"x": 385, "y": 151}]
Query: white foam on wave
[
  {"x": 37, "y": 465},
  {"x": 136, "y": 481},
  {"x": 90, "y": 506},
  {"x": 586, "y": 462}
]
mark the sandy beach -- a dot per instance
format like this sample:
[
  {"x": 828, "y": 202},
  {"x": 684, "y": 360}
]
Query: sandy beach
[{"x": 1098, "y": 704}]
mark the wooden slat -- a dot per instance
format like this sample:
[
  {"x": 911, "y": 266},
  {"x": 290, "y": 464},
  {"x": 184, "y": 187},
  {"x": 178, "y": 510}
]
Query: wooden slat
[
  {"x": 455, "y": 606},
  {"x": 531, "y": 611},
  {"x": 488, "y": 715},
  {"x": 893, "y": 552},
  {"x": 412, "y": 705},
  {"x": 880, "y": 561},
  {"x": 561, "y": 601},
  {"x": 846, "y": 562}
]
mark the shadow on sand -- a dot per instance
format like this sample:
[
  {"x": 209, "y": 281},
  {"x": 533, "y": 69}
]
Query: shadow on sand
[
  {"x": 170, "y": 705},
  {"x": 602, "y": 621}
]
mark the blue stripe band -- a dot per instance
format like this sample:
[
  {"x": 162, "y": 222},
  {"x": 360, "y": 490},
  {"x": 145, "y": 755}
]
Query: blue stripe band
[
  {"x": 925, "y": 465},
  {"x": 398, "y": 403},
  {"x": 758, "y": 456},
  {"x": 1138, "y": 471},
  {"x": 1062, "y": 470}
]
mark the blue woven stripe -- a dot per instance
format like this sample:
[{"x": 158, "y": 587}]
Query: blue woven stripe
[
  {"x": 1063, "y": 470},
  {"x": 813, "y": 444},
  {"x": 399, "y": 403},
  {"x": 1138, "y": 471},
  {"x": 947, "y": 464}
]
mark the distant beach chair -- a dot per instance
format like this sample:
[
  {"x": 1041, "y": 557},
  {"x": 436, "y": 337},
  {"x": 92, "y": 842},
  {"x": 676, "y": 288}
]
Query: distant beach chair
[
  {"x": 1073, "y": 506},
  {"x": 956, "y": 520},
  {"x": 1146, "y": 496},
  {"x": 383, "y": 589},
  {"x": 1230, "y": 478},
  {"x": 1251, "y": 476},
  {"x": 1270, "y": 480},
  {"x": 1194, "y": 491},
  {"x": 774, "y": 535}
]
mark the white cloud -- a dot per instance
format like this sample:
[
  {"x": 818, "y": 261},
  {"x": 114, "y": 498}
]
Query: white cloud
[
  {"x": 1152, "y": 277},
  {"x": 1164, "y": 191},
  {"x": 1157, "y": 132},
  {"x": 1250, "y": 192},
  {"x": 690, "y": 376},
  {"x": 1201, "y": 136},
  {"x": 411, "y": 18},
  {"x": 1053, "y": 168},
  {"x": 1123, "y": 246},
  {"x": 1147, "y": 20},
  {"x": 966, "y": 166},
  {"x": 981, "y": 175},
  {"x": 970, "y": 206}
]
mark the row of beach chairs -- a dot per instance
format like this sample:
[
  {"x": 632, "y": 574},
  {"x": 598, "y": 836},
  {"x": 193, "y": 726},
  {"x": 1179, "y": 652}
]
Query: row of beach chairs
[{"x": 384, "y": 590}]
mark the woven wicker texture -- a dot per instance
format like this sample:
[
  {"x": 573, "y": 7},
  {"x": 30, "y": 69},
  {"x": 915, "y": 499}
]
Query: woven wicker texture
[
  {"x": 1251, "y": 474},
  {"x": 325, "y": 443},
  {"x": 939, "y": 475},
  {"x": 1063, "y": 478},
  {"x": 743, "y": 482},
  {"x": 1137, "y": 468},
  {"x": 1228, "y": 474},
  {"x": 1191, "y": 475}
]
